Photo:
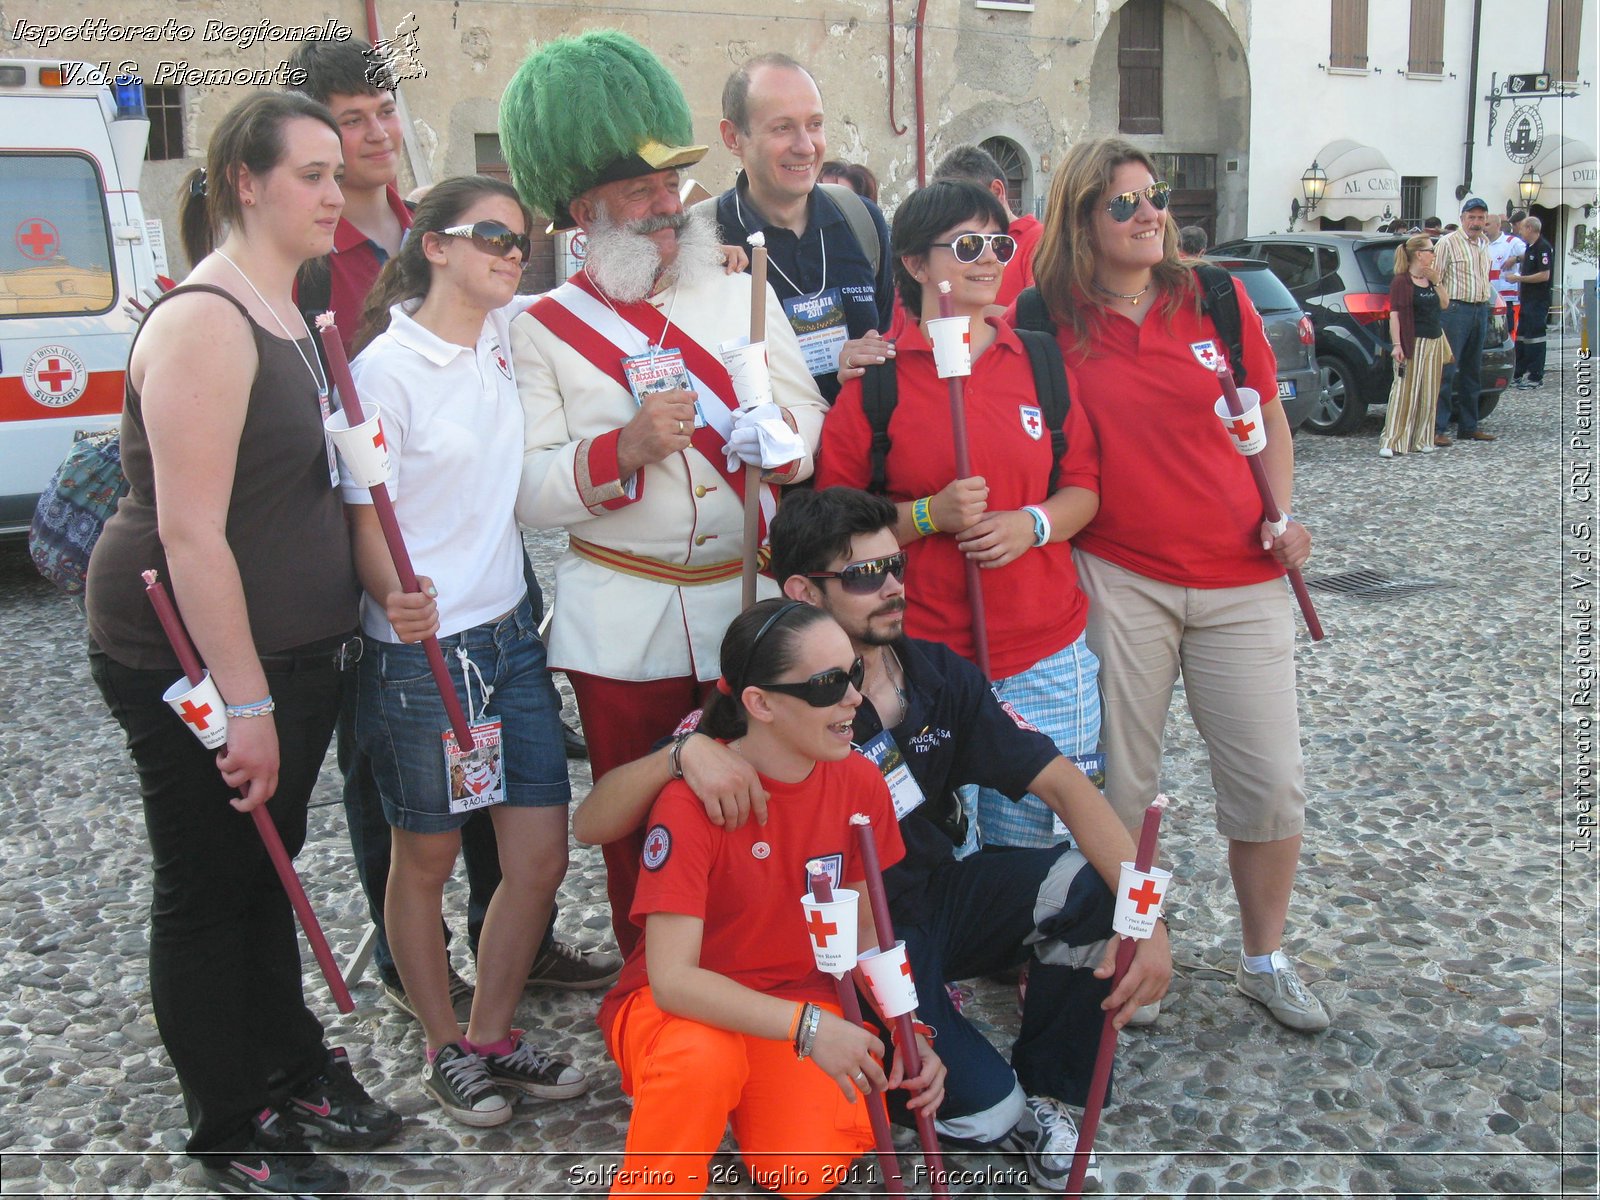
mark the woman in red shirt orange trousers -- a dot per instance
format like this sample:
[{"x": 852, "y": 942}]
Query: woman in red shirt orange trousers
[
  {"x": 1181, "y": 571},
  {"x": 1007, "y": 516},
  {"x": 720, "y": 1014}
]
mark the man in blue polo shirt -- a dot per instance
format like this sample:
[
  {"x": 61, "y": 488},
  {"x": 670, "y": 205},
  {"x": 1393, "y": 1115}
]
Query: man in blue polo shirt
[
  {"x": 834, "y": 290},
  {"x": 989, "y": 912}
]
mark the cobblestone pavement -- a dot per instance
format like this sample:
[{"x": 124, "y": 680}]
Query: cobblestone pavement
[{"x": 1435, "y": 913}]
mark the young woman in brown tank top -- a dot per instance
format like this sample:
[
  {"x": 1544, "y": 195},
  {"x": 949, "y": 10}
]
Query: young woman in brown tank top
[{"x": 231, "y": 498}]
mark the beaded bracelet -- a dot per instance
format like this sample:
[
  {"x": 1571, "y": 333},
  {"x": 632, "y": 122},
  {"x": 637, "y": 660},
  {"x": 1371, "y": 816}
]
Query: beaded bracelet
[
  {"x": 260, "y": 708},
  {"x": 921, "y": 518}
]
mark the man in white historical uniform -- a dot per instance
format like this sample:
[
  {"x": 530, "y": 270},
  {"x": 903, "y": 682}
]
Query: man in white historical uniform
[{"x": 634, "y": 439}]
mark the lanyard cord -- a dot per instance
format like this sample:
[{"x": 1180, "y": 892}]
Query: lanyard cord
[
  {"x": 318, "y": 380},
  {"x": 468, "y": 670},
  {"x": 822, "y": 248},
  {"x": 671, "y": 304}
]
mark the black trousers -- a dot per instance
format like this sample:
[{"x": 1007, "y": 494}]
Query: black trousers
[
  {"x": 224, "y": 959},
  {"x": 1531, "y": 336}
]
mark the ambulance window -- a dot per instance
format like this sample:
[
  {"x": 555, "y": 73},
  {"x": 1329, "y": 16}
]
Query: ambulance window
[{"x": 55, "y": 247}]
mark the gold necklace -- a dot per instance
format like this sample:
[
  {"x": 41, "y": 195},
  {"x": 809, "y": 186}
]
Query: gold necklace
[{"x": 1132, "y": 298}]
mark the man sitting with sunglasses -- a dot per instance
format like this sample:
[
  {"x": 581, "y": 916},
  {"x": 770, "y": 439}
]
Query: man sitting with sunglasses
[{"x": 960, "y": 919}]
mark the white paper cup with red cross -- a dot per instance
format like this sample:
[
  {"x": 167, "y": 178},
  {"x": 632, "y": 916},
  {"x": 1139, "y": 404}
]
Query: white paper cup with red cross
[
  {"x": 888, "y": 974},
  {"x": 1139, "y": 897},
  {"x": 200, "y": 707},
  {"x": 831, "y": 928},
  {"x": 1246, "y": 432},
  {"x": 747, "y": 367},
  {"x": 951, "y": 339},
  {"x": 364, "y": 449}
]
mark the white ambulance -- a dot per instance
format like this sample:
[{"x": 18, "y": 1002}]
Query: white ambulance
[{"x": 73, "y": 248}]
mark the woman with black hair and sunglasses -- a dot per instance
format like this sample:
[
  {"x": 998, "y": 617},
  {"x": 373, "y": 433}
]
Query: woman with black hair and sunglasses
[
  {"x": 1183, "y": 574},
  {"x": 721, "y": 1014},
  {"x": 435, "y": 364},
  {"x": 1013, "y": 517}
]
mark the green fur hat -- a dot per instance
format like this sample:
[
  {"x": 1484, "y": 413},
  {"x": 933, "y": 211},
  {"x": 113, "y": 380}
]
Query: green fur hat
[{"x": 587, "y": 110}]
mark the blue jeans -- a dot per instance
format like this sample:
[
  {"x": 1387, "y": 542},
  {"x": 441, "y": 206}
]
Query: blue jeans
[
  {"x": 1466, "y": 328},
  {"x": 400, "y": 720}
]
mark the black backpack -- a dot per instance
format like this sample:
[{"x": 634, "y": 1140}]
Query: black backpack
[
  {"x": 880, "y": 393},
  {"x": 1218, "y": 300}
]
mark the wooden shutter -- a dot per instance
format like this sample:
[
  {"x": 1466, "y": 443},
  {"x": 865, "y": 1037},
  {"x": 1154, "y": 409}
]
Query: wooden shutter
[
  {"x": 1139, "y": 66},
  {"x": 1562, "y": 28},
  {"x": 1427, "y": 37},
  {"x": 1349, "y": 48}
]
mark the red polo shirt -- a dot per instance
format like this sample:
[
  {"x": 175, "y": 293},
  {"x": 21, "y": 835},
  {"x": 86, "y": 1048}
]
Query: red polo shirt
[
  {"x": 1027, "y": 231},
  {"x": 1177, "y": 502},
  {"x": 1033, "y": 606},
  {"x": 353, "y": 268}
]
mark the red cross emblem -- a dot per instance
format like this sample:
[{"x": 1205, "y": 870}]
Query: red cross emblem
[
  {"x": 1240, "y": 428},
  {"x": 820, "y": 929},
  {"x": 1032, "y": 420},
  {"x": 37, "y": 239},
  {"x": 54, "y": 373},
  {"x": 1206, "y": 353},
  {"x": 905, "y": 968},
  {"x": 1145, "y": 897},
  {"x": 377, "y": 438},
  {"x": 196, "y": 714}
]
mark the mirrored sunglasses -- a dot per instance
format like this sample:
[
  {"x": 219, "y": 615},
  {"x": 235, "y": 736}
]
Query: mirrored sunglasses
[
  {"x": 825, "y": 687},
  {"x": 491, "y": 237},
  {"x": 864, "y": 578},
  {"x": 968, "y": 248},
  {"x": 1124, "y": 206}
]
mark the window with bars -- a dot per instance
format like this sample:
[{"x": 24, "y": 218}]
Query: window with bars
[
  {"x": 1413, "y": 190},
  {"x": 1187, "y": 172},
  {"x": 163, "y": 103},
  {"x": 1139, "y": 66},
  {"x": 1349, "y": 47},
  {"x": 1427, "y": 38},
  {"x": 1013, "y": 163},
  {"x": 1562, "y": 28}
]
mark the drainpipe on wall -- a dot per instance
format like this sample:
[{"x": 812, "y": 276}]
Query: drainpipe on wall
[
  {"x": 895, "y": 127},
  {"x": 1472, "y": 98},
  {"x": 922, "y": 114}
]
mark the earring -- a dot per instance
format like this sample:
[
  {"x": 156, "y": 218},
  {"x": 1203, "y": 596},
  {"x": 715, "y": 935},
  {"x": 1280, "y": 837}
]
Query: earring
[{"x": 248, "y": 202}]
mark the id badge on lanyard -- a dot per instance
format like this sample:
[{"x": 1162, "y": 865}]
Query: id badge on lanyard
[
  {"x": 475, "y": 778},
  {"x": 818, "y": 323},
  {"x": 904, "y": 790},
  {"x": 326, "y": 407}
]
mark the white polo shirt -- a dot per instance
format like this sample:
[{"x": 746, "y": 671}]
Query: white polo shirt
[
  {"x": 453, "y": 424},
  {"x": 1505, "y": 253}
]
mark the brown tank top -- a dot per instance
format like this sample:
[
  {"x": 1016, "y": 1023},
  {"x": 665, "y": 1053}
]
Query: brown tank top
[{"x": 285, "y": 525}]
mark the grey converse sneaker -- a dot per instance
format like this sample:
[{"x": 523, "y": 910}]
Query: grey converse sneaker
[
  {"x": 460, "y": 1082},
  {"x": 564, "y": 966},
  {"x": 1285, "y": 997},
  {"x": 461, "y": 994},
  {"x": 1048, "y": 1136},
  {"x": 533, "y": 1071}
]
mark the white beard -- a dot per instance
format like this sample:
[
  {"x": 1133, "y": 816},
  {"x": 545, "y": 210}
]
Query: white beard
[{"x": 625, "y": 263}]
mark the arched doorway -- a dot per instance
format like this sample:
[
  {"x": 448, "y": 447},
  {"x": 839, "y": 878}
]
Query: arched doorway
[{"x": 1014, "y": 170}]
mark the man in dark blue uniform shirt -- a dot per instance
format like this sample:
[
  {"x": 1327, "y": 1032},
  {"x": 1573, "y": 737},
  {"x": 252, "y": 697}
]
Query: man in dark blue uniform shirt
[
  {"x": 960, "y": 919},
  {"x": 1533, "y": 273},
  {"x": 832, "y": 289}
]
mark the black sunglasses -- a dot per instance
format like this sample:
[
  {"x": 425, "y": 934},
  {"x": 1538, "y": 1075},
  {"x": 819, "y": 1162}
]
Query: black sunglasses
[
  {"x": 492, "y": 237},
  {"x": 824, "y": 688},
  {"x": 864, "y": 578},
  {"x": 1123, "y": 207},
  {"x": 968, "y": 248}
]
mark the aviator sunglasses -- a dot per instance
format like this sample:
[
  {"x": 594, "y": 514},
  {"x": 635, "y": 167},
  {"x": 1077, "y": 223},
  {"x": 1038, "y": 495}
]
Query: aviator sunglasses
[
  {"x": 864, "y": 578},
  {"x": 492, "y": 237},
  {"x": 1123, "y": 207},
  {"x": 968, "y": 248},
  {"x": 824, "y": 688}
]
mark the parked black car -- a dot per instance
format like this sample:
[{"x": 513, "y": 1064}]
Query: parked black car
[
  {"x": 1289, "y": 332},
  {"x": 1343, "y": 279}
]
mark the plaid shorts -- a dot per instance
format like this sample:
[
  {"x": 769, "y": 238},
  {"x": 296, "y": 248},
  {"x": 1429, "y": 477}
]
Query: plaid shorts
[{"x": 1060, "y": 695}]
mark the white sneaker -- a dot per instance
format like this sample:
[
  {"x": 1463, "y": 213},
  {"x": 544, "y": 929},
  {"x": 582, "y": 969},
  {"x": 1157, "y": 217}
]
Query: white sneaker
[
  {"x": 1285, "y": 997},
  {"x": 1428, "y": 449},
  {"x": 1048, "y": 1136},
  {"x": 1385, "y": 452}
]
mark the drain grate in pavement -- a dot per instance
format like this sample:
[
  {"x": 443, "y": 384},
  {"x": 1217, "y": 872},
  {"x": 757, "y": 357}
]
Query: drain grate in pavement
[{"x": 1373, "y": 585}]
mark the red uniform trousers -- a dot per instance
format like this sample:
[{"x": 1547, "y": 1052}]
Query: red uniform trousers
[
  {"x": 623, "y": 720},
  {"x": 796, "y": 1132}
]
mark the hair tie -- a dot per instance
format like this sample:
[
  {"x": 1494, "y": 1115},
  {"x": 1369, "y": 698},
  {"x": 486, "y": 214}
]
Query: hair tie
[
  {"x": 197, "y": 185},
  {"x": 723, "y": 685}
]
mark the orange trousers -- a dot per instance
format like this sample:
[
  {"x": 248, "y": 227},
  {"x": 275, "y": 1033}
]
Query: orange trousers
[{"x": 798, "y": 1135}]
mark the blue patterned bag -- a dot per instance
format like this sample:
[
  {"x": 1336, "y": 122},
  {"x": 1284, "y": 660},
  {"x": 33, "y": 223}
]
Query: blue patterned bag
[{"x": 74, "y": 507}]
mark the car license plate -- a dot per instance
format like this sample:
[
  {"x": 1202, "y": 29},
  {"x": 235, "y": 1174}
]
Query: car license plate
[{"x": 1286, "y": 389}]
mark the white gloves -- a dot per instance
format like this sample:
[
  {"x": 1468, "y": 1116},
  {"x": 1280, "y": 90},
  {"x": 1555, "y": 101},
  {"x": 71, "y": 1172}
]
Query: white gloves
[{"x": 762, "y": 438}]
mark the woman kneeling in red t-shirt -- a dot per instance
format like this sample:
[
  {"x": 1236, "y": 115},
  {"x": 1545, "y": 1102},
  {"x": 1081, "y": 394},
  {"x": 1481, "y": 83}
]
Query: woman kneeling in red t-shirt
[{"x": 712, "y": 1007}]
